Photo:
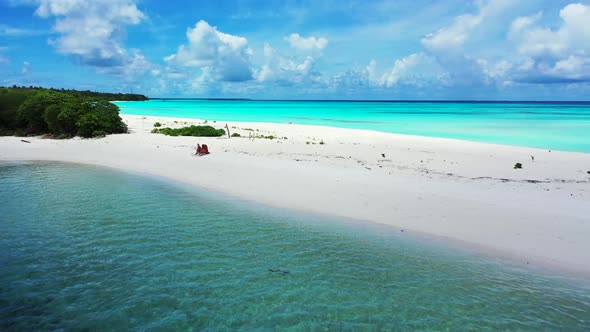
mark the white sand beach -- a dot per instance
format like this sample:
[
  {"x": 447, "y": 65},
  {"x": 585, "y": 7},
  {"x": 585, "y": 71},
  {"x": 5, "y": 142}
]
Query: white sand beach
[{"x": 462, "y": 191}]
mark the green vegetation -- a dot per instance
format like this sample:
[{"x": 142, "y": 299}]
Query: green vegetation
[
  {"x": 60, "y": 113},
  {"x": 517, "y": 166},
  {"x": 207, "y": 131},
  {"x": 83, "y": 94},
  {"x": 157, "y": 125},
  {"x": 236, "y": 135}
]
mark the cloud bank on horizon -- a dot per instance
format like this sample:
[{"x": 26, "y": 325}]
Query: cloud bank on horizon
[{"x": 452, "y": 49}]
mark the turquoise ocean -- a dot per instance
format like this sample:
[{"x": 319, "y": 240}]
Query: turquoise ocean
[
  {"x": 92, "y": 249},
  {"x": 547, "y": 125}
]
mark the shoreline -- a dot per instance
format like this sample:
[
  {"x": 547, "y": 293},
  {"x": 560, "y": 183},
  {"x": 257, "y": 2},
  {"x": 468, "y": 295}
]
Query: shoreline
[
  {"x": 508, "y": 129},
  {"x": 429, "y": 241},
  {"x": 219, "y": 123},
  {"x": 455, "y": 190}
]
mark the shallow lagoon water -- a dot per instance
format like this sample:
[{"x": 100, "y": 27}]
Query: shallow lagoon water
[
  {"x": 547, "y": 125},
  {"x": 87, "y": 248}
]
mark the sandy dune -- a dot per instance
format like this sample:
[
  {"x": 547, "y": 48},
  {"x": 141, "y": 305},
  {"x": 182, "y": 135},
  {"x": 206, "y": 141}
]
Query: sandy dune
[{"x": 452, "y": 189}]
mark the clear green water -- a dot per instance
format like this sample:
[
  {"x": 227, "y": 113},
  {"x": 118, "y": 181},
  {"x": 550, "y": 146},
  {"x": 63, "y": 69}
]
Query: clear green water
[
  {"x": 85, "y": 248},
  {"x": 557, "y": 126}
]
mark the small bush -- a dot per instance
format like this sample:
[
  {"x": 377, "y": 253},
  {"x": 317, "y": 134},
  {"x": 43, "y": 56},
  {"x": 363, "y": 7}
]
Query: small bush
[
  {"x": 517, "y": 166},
  {"x": 155, "y": 131},
  {"x": 322, "y": 142},
  {"x": 202, "y": 131},
  {"x": 63, "y": 136},
  {"x": 157, "y": 125},
  {"x": 266, "y": 137},
  {"x": 235, "y": 135}
]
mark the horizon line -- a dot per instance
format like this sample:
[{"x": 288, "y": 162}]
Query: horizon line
[{"x": 378, "y": 100}]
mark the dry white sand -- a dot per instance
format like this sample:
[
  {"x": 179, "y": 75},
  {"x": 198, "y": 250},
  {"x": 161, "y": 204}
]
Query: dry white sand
[{"x": 452, "y": 189}]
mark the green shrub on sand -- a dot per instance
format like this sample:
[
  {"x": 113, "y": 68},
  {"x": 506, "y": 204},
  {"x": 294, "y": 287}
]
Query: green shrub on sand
[{"x": 200, "y": 131}]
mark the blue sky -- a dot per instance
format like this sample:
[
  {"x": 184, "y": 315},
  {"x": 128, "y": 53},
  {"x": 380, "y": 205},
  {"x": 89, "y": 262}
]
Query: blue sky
[{"x": 419, "y": 49}]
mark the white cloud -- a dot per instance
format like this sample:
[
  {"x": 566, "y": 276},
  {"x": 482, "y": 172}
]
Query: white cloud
[
  {"x": 499, "y": 71},
  {"x": 414, "y": 70},
  {"x": 371, "y": 70},
  {"x": 418, "y": 69},
  {"x": 574, "y": 67},
  {"x": 349, "y": 79},
  {"x": 573, "y": 36},
  {"x": 309, "y": 43},
  {"x": 175, "y": 75},
  {"x": 285, "y": 70},
  {"x": 446, "y": 59},
  {"x": 523, "y": 22},
  {"x": 556, "y": 55},
  {"x": 458, "y": 32},
  {"x": 454, "y": 35},
  {"x": 9, "y": 31},
  {"x": 200, "y": 84},
  {"x": 403, "y": 67},
  {"x": 226, "y": 57},
  {"x": 26, "y": 68},
  {"x": 135, "y": 66},
  {"x": 92, "y": 32},
  {"x": 268, "y": 50},
  {"x": 530, "y": 53}
]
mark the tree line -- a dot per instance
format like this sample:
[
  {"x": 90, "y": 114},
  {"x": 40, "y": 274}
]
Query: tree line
[
  {"x": 87, "y": 93},
  {"x": 61, "y": 113}
]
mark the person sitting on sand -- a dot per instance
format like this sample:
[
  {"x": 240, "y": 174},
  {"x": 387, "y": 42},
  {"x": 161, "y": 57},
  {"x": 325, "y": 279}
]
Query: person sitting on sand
[
  {"x": 199, "y": 150},
  {"x": 204, "y": 150}
]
